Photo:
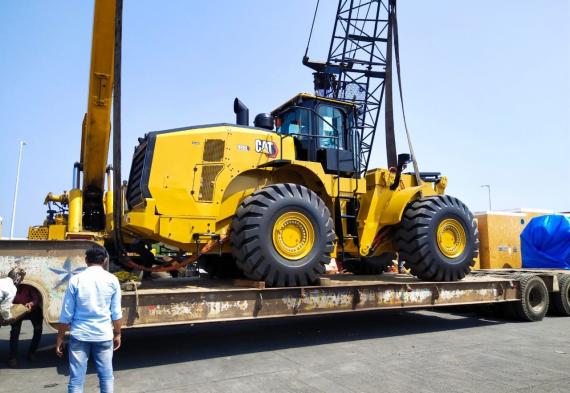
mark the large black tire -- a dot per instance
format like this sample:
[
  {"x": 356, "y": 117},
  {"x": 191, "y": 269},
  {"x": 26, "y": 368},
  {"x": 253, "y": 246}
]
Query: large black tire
[
  {"x": 560, "y": 301},
  {"x": 261, "y": 254},
  {"x": 534, "y": 299},
  {"x": 369, "y": 265},
  {"x": 416, "y": 238}
]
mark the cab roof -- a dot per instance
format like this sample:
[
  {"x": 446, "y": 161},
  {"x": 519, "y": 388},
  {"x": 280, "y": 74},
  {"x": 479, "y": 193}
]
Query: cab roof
[{"x": 301, "y": 96}]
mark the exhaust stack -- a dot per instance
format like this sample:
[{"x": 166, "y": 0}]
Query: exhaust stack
[{"x": 242, "y": 113}]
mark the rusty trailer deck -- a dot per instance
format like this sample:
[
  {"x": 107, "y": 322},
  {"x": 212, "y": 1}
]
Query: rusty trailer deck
[
  {"x": 198, "y": 300},
  {"x": 50, "y": 265}
]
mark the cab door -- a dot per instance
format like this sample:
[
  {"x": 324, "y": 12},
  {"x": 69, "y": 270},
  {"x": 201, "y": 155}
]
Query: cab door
[{"x": 333, "y": 138}]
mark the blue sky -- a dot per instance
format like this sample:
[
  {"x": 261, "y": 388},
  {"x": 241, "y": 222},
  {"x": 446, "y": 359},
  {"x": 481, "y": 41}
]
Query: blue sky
[{"x": 487, "y": 86}]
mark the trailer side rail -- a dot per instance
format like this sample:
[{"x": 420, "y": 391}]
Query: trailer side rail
[{"x": 151, "y": 307}]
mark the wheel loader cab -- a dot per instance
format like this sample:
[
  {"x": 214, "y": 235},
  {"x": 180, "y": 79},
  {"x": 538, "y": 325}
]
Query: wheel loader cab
[{"x": 323, "y": 130}]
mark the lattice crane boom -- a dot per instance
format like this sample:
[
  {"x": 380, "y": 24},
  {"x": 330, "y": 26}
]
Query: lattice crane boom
[{"x": 358, "y": 68}]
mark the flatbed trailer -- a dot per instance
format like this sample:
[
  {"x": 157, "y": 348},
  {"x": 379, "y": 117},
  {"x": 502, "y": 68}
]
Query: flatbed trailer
[
  {"x": 175, "y": 301},
  {"x": 198, "y": 300}
]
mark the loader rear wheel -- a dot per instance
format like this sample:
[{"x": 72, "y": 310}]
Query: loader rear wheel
[
  {"x": 534, "y": 299},
  {"x": 560, "y": 301},
  {"x": 282, "y": 234},
  {"x": 438, "y": 238}
]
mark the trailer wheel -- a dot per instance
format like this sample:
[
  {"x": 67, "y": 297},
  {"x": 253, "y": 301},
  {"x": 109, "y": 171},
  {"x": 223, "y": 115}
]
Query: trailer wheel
[
  {"x": 369, "y": 265},
  {"x": 560, "y": 301},
  {"x": 282, "y": 234},
  {"x": 534, "y": 299},
  {"x": 438, "y": 238}
]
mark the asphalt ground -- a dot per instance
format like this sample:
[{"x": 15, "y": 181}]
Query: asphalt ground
[{"x": 403, "y": 351}]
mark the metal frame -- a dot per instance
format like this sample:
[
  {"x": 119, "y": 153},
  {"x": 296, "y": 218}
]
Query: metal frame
[
  {"x": 50, "y": 265},
  {"x": 356, "y": 65},
  {"x": 212, "y": 301}
]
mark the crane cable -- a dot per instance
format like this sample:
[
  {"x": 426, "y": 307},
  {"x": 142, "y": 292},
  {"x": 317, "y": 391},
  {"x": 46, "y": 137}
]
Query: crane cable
[
  {"x": 312, "y": 26},
  {"x": 117, "y": 189},
  {"x": 397, "y": 53}
]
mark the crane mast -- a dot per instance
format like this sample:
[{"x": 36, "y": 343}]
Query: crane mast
[
  {"x": 358, "y": 68},
  {"x": 96, "y": 124}
]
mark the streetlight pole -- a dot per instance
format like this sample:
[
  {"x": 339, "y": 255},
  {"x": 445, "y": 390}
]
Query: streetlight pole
[
  {"x": 488, "y": 187},
  {"x": 22, "y": 144}
]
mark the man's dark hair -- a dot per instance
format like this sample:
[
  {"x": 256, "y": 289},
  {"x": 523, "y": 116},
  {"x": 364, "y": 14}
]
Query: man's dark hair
[
  {"x": 17, "y": 273},
  {"x": 96, "y": 254}
]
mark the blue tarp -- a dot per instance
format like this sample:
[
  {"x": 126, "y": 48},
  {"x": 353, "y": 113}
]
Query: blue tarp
[{"x": 546, "y": 243}]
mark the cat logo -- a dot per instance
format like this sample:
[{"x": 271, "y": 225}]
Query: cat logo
[{"x": 266, "y": 147}]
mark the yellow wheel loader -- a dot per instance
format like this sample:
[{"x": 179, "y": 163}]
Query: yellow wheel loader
[
  {"x": 275, "y": 201},
  {"x": 288, "y": 199}
]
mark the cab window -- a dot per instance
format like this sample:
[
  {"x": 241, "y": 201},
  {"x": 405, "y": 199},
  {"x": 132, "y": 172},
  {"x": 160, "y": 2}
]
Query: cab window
[
  {"x": 330, "y": 123},
  {"x": 295, "y": 122}
]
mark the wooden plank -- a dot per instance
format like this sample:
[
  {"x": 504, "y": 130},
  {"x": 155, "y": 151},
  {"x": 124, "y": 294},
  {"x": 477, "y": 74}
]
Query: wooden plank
[{"x": 239, "y": 282}]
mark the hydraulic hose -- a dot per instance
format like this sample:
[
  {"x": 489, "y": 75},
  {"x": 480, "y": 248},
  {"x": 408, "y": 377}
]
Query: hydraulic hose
[{"x": 177, "y": 263}]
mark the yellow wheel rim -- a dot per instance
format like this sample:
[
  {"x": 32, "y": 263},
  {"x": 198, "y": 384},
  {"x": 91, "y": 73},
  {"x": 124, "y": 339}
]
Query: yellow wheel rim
[
  {"x": 293, "y": 235},
  {"x": 451, "y": 238}
]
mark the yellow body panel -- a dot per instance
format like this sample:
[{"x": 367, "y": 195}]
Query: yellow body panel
[
  {"x": 381, "y": 207},
  {"x": 56, "y": 232},
  {"x": 196, "y": 187}
]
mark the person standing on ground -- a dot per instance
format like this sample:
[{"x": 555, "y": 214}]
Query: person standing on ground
[
  {"x": 92, "y": 312},
  {"x": 28, "y": 297},
  {"x": 10, "y": 312}
]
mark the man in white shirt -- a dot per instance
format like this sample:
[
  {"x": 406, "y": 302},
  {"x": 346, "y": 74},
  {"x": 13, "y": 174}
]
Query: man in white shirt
[
  {"x": 92, "y": 312},
  {"x": 8, "y": 288}
]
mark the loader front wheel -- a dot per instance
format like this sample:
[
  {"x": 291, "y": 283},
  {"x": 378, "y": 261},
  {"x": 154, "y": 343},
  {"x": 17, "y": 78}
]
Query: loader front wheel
[
  {"x": 282, "y": 234},
  {"x": 438, "y": 238}
]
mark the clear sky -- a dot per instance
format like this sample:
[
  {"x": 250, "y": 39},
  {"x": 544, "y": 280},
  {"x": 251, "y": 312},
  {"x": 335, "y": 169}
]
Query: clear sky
[{"x": 486, "y": 83}]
